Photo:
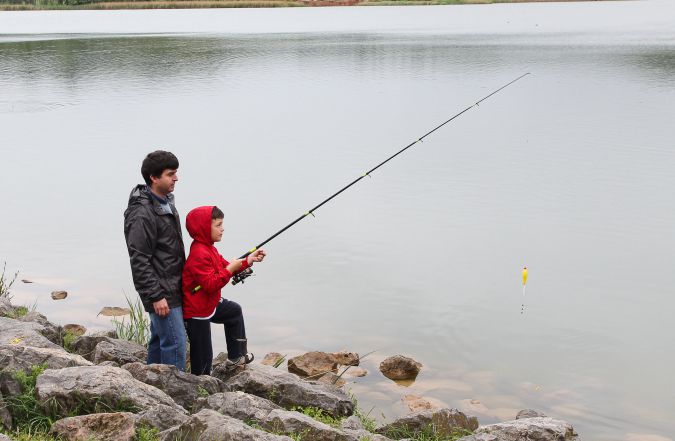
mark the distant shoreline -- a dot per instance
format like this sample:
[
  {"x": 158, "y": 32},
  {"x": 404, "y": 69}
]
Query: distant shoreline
[{"x": 41, "y": 5}]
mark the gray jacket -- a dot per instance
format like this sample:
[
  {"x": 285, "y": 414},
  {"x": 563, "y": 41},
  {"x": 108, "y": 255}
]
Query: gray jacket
[{"x": 156, "y": 251}]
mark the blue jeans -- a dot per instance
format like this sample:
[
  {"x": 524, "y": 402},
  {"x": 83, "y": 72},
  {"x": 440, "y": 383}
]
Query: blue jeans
[{"x": 167, "y": 339}]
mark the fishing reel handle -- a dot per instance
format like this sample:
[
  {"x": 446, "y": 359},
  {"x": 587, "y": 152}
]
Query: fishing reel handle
[{"x": 240, "y": 276}]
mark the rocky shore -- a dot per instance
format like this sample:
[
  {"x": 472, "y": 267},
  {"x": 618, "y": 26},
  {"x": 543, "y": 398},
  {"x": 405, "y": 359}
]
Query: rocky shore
[{"x": 99, "y": 387}]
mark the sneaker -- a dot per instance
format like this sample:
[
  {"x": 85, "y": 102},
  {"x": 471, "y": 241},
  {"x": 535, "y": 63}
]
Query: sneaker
[{"x": 241, "y": 361}]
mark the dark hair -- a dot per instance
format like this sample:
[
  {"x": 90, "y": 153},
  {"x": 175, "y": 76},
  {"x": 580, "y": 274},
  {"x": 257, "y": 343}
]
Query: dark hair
[
  {"x": 216, "y": 213},
  {"x": 156, "y": 162}
]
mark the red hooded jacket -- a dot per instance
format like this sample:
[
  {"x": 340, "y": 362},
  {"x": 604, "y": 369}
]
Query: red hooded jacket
[{"x": 204, "y": 267}]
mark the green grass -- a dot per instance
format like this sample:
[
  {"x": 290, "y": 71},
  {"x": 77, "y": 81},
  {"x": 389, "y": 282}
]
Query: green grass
[
  {"x": 319, "y": 414},
  {"x": 137, "y": 328},
  {"x": 68, "y": 339},
  {"x": 25, "y": 409},
  {"x": 6, "y": 283},
  {"x": 144, "y": 433},
  {"x": 427, "y": 434}
]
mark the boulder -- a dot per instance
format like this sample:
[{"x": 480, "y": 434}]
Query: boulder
[
  {"x": 272, "y": 358},
  {"x": 332, "y": 380},
  {"x": 534, "y": 429},
  {"x": 239, "y": 405},
  {"x": 444, "y": 422},
  {"x": 119, "y": 351},
  {"x": 291, "y": 422},
  {"x": 6, "y": 307},
  {"x": 312, "y": 364},
  {"x": 161, "y": 417},
  {"x": 89, "y": 389},
  {"x": 74, "y": 329},
  {"x": 399, "y": 367},
  {"x": 105, "y": 426},
  {"x": 5, "y": 416},
  {"x": 16, "y": 332},
  {"x": 209, "y": 425},
  {"x": 184, "y": 388},
  {"x": 109, "y": 363},
  {"x": 51, "y": 331},
  {"x": 288, "y": 390},
  {"x": 86, "y": 345},
  {"x": 529, "y": 413},
  {"x": 9, "y": 385},
  {"x": 16, "y": 357}
]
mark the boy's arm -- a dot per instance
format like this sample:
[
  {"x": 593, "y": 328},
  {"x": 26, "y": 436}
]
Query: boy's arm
[
  {"x": 210, "y": 278},
  {"x": 141, "y": 237}
]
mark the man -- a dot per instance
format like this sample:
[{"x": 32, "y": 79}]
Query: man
[{"x": 157, "y": 255}]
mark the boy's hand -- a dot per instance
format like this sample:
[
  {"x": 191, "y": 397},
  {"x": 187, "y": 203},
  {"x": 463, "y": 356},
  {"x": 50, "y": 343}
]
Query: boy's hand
[
  {"x": 161, "y": 307},
  {"x": 235, "y": 265},
  {"x": 256, "y": 256}
]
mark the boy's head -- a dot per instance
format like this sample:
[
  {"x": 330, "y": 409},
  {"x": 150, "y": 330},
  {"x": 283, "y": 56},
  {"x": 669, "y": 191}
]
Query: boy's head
[
  {"x": 159, "y": 170},
  {"x": 217, "y": 224}
]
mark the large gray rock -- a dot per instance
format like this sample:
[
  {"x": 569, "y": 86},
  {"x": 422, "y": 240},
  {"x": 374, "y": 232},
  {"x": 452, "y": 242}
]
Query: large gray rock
[
  {"x": 312, "y": 364},
  {"x": 52, "y": 332},
  {"x": 209, "y": 425},
  {"x": 90, "y": 389},
  {"x": 5, "y": 416},
  {"x": 161, "y": 417},
  {"x": 400, "y": 367},
  {"x": 85, "y": 345},
  {"x": 184, "y": 388},
  {"x": 291, "y": 422},
  {"x": 119, "y": 351},
  {"x": 288, "y": 390},
  {"x": 16, "y": 332},
  {"x": 104, "y": 426},
  {"x": 531, "y": 429},
  {"x": 17, "y": 357},
  {"x": 444, "y": 423},
  {"x": 239, "y": 405}
]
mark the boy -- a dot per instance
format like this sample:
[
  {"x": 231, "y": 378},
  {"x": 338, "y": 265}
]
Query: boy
[{"x": 204, "y": 275}]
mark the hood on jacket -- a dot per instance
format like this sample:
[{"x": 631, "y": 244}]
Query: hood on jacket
[
  {"x": 140, "y": 195},
  {"x": 198, "y": 223}
]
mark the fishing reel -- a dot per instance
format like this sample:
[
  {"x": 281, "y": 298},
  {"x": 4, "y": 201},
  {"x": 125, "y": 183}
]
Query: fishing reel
[{"x": 240, "y": 276}]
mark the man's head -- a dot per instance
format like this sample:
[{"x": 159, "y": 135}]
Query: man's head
[
  {"x": 160, "y": 171},
  {"x": 217, "y": 224}
]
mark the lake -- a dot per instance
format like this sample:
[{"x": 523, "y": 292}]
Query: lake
[{"x": 569, "y": 172}]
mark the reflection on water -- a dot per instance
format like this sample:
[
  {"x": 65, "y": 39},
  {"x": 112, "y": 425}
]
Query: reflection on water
[{"x": 569, "y": 173}]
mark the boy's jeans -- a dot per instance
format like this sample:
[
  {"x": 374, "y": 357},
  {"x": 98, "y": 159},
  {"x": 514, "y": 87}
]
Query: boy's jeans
[{"x": 167, "y": 339}]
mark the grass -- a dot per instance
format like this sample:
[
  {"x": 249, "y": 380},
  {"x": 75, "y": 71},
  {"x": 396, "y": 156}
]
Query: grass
[
  {"x": 25, "y": 409},
  {"x": 68, "y": 339},
  {"x": 137, "y": 329},
  {"x": 427, "y": 434},
  {"x": 319, "y": 414},
  {"x": 6, "y": 283}
]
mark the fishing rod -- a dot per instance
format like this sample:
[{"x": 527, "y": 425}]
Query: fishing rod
[{"x": 239, "y": 277}]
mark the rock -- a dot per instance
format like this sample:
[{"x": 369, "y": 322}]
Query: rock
[
  {"x": 332, "y": 380},
  {"x": 399, "y": 367},
  {"x": 53, "y": 332},
  {"x": 16, "y": 357},
  {"x": 209, "y": 425},
  {"x": 346, "y": 358},
  {"x": 9, "y": 385},
  {"x": 86, "y": 345},
  {"x": 415, "y": 403},
  {"x": 88, "y": 389},
  {"x": 119, "y": 351},
  {"x": 16, "y": 332},
  {"x": 113, "y": 426},
  {"x": 444, "y": 421},
  {"x": 288, "y": 390},
  {"x": 291, "y": 422},
  {"x": 6, "y": 307},
  {"x": 272, "y": 358},
  {"x": 109, "y": 363},
  {"x": 529, "y": 413},
  {"x": 4, "y": 437},
  {"x": 184, "y": 388},
  {"x": 5, "y": 416},
  {"x": 356, "y": 372},
  {"x": 59, "y": 295},
  {"x": 239, "y": 405},
  {"x": 113, "y": 311},
  {"x": 74, "y": 329},
  {"x": 161, "y": 417},
  {"x": 312, "y": 364},
  {"x": 536, "y": 429},
  {"x": 111, "y": 333}
]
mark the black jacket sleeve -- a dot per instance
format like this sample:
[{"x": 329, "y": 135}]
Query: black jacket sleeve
[{"x": 141, "y": 236}]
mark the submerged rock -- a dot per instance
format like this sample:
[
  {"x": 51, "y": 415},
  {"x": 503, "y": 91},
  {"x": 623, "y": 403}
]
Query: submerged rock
[
  {"x": 74, "y": 329},
  {"x": 400, "y": 367},
  {"x": 536, "y": 429},
  {"x": 59, "y": 295},
  {"x": 529, "y": 413}
]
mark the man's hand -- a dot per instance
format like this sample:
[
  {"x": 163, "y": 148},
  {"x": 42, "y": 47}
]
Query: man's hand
[
  {"x": 235, "y": 265},
  {"x": 161, "y": 307},
  {"x": 256, "y": 256}
]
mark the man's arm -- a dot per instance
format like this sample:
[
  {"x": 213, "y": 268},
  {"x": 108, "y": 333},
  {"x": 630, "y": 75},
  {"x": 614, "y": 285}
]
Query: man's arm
[{"x": 141, "y": 236}]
